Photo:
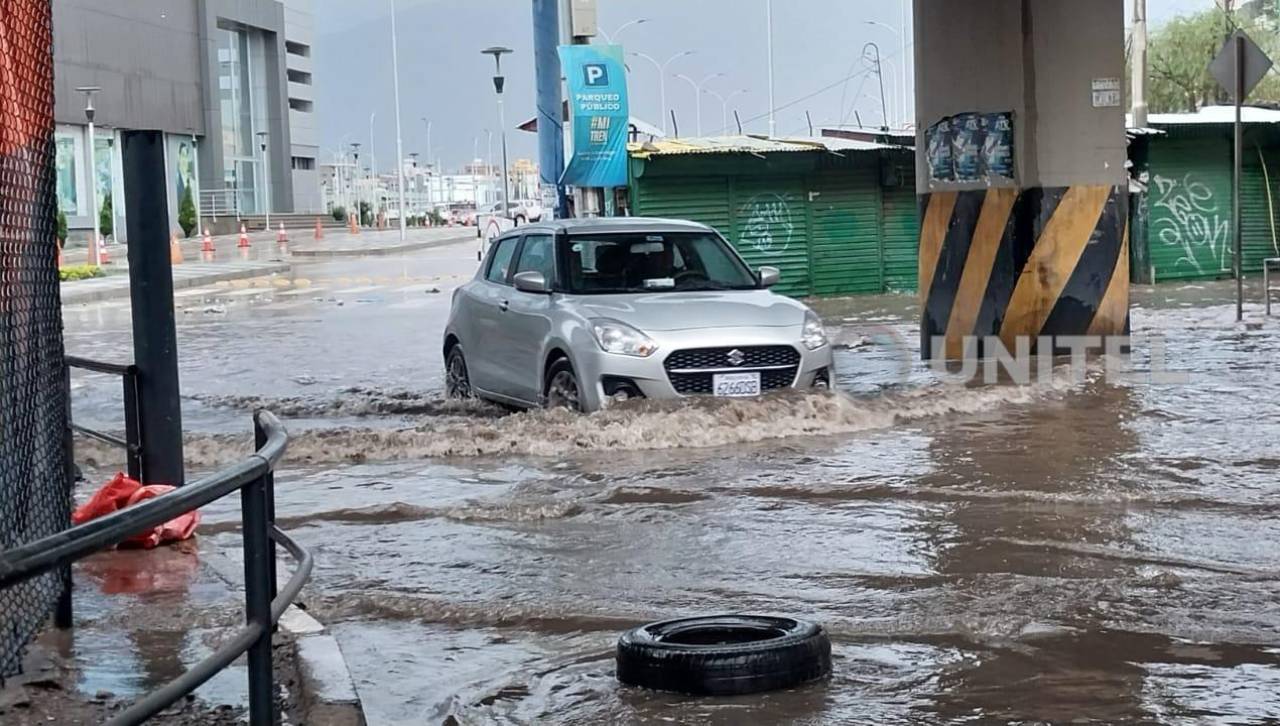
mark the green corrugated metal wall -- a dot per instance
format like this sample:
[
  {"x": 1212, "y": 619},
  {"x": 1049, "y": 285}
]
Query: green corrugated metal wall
[
  {"x": 1189, "y": 208},
  {"x": 900, "y": 231},
  {"x": 1259, "y": 203},
  {"x": 845, "y": 255},
  {"x": 700, "y": 199},
  {"x": 832, "y": 230}
]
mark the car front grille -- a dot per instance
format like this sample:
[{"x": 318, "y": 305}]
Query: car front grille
[{"x": 691, "y": 370}]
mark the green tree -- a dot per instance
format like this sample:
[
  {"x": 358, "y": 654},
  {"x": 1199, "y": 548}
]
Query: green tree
[
  {"x": 1181, "y": 50},
  {"x": 106, "y": 217},
  {"x": 187, "y": 213}
]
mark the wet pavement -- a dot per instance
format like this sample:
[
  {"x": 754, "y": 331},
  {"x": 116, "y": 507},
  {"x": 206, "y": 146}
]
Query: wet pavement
[{"x": 1097, "y": 550}]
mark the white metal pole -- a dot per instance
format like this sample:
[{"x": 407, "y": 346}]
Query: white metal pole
[
  {"x": 769, "y": 22},
  {"x": 94, "y": 249},
  {"x": 395, "y": 74},
  {"x": 506, "y": 196}
]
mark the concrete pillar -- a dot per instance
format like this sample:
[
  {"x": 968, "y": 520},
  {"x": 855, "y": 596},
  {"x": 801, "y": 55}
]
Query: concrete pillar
[{"x": 1040, "y": 250}]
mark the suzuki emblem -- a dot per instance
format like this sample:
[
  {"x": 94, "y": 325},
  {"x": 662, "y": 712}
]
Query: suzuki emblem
[{"x": 736, "y": 357}]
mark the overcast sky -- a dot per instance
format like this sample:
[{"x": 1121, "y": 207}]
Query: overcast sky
[{"x": 817, "y": 45}]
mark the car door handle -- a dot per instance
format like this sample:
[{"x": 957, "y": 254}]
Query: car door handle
[{"x": 504, "y": 305}]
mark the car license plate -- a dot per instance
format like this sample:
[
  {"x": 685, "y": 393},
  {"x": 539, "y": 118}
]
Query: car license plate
[{"x": 734, "y": 385}]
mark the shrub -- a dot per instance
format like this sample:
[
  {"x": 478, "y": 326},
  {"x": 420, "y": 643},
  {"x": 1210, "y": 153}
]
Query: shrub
[
  {"x": 187, "y": 213},
  {"x": 106, "y": 217},
  {"x": 339, "y": 214},
  {"x": 79, "y": 272},
  {"x": 61, "y": 228}
]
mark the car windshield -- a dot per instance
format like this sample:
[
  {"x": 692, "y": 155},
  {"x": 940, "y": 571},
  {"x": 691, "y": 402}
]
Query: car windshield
[{"x": 649, "y": 262}]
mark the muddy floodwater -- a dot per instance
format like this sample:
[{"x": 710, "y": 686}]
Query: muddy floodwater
[{"x": 1099, "y": 550}]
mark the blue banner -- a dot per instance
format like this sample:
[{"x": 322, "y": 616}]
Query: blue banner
[{"x": 597, "y": 81}]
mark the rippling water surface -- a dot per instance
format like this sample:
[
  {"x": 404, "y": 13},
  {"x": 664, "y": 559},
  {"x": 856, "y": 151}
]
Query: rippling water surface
[{"x": 1100, "y": 550}]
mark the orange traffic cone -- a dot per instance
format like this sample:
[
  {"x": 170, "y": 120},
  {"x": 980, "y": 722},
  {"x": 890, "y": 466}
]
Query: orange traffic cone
[
  {"x": 319, "y": 229},
  {"x": 353, "y": 225},
  {"x": 207, "y": 244},
  {"x": 282, "y": 237},
  {"x": 175, "y": 250},
  {"x": 244, "y": 237},
  {"x": 104, "y": 257},
  {"x": 59, "y": 257}
]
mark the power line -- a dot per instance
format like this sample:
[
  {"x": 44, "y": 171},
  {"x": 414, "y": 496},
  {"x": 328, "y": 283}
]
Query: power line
[{"x": 818, "y": 92}]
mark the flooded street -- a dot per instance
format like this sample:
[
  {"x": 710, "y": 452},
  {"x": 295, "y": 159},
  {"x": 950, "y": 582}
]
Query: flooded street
[{"x": 1097, "y": 550}]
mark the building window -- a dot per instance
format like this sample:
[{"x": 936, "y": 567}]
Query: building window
[
  {"x": 304, "y": 163},
  {"x": 299, "y": 77},
  {"x": 297, "y": 104},
  {"x": 298, "y": 49}
]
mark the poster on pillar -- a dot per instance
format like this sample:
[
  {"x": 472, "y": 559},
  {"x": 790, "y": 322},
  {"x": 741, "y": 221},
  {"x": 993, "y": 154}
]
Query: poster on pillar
[{"x": 597, "y": 82}]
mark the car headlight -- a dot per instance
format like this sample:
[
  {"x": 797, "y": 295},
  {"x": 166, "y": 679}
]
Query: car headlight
[
  {"x": 813, "y": 335},
  {"x": 622, "y": 339}
]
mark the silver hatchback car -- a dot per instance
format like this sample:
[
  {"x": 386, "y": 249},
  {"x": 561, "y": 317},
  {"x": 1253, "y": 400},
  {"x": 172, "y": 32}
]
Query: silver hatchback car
[{"x": 581, "y": 312}]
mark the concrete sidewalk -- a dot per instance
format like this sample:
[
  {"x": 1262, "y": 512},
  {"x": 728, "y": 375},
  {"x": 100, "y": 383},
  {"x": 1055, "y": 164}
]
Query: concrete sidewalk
[
  {"x": 381, "y": 242},
  {"x": 184, "y": 276}
]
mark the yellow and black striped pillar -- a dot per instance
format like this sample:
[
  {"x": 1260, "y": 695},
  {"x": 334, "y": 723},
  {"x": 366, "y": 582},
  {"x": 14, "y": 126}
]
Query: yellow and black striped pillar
[{"x": 1011, "y": 263}]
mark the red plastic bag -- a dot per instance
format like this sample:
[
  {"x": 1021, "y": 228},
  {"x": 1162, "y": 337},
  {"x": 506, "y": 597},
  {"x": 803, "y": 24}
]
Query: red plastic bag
[{"x": 123, "y": 492}]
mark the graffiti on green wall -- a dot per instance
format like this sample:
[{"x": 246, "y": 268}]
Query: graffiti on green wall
[
  {"x": 768, "y": 226},
  {"x": 1193, "y": 221}
]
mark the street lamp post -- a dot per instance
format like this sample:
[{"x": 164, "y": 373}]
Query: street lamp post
[
  {"x": 89, "y": 113},
  {"x": 768, "y": 19},
  {"x": 662, "y": 80},
  {"x": 498, "y": 81},
  {"x": 355, "y": 179},
  {"x": 266, "y": 177},
  {"x": 395, "y": 74},
  {"x": 430, "y": 194},
  {"x": 608, "y": 37},
  {"x": 724, "y": 106},
  {"x": 697, "y": 92}
]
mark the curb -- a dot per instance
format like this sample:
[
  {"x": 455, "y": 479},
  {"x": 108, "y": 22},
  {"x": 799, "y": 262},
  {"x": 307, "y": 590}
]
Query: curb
[
  {"x": 378, "y": 251},
  {"x": 326, "y": 692},
  {"x": 73, "y": 297}
]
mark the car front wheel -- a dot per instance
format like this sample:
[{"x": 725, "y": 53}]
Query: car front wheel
[{"x": 562, "y": 387}]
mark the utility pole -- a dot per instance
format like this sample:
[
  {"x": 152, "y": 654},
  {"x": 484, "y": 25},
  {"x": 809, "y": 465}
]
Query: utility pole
[
  {"x": 1139, "y": 70},
  {"x": 546, "y": 36}
]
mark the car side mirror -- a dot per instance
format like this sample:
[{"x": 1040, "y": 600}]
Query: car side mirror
[
  {"x": 534, "y": 282},
  {"x": 769, "y": 276}
]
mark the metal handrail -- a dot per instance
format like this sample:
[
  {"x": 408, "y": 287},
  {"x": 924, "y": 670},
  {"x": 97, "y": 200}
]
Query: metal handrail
[
  {"x": 253, "y": 477},
  {"x": 132, "y": 441}
]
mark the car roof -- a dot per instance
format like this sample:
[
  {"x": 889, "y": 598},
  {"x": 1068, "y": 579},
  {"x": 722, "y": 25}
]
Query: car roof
[{"x": 613, "y": 225}]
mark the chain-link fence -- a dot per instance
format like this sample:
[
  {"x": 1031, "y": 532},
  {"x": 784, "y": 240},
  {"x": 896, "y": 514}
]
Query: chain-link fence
[{"x": 34, "y": 500}]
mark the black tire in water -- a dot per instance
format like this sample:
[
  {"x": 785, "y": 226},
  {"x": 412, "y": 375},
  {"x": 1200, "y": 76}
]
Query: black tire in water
[
  {"x": 457, "y": 381},
  {"x": 724, "y": 655},
  {"x": 562, "y": 389}
]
